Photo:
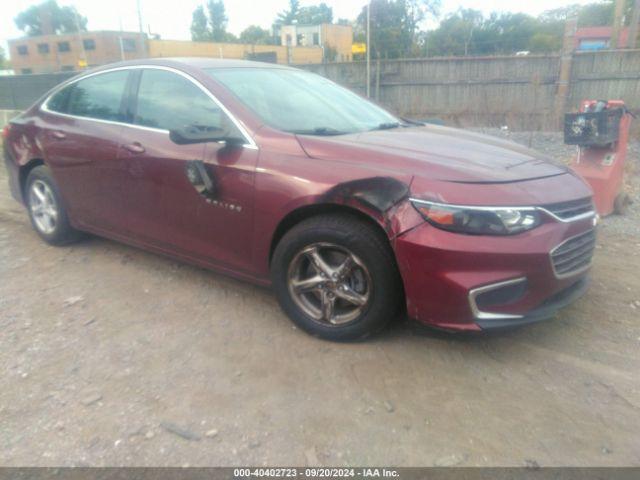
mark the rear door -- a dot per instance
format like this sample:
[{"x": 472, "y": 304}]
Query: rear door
[
  {"x": 166, "y": 201},
  {"x": 80, "y": 138}
]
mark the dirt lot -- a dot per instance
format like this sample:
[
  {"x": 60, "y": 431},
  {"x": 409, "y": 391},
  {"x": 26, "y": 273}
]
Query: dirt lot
[{"x": 113, "y": 356}]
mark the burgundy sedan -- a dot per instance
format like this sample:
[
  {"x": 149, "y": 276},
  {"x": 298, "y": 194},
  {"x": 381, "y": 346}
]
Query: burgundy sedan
[{"x": 283, "y": 178}]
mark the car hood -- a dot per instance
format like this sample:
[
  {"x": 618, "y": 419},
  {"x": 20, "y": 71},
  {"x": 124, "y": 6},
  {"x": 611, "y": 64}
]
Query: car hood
[{"x": 437, "y": 153}]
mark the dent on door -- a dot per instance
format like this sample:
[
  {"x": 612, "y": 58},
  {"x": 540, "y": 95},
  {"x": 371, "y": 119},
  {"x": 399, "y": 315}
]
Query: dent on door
[{"x": 205, "y": 183}]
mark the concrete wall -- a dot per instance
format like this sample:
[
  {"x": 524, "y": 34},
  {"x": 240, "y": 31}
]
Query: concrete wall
[{"x": 17, "y": 92}]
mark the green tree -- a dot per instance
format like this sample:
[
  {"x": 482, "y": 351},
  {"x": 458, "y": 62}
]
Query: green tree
[
  {"x": 395, "y": 25},
  {"x": 199, "y": 26},
  {"x": 288, "y": 16},
  {"x": 49, "y": 18},
  {"x": 210, "y": 25},
  {"x": 217, "y": 20},
  {"x": 545, "y": 43},
  {"x": 254, "y": 34},
  {"x": 457, "y": 34},
  {"x": 329, "y": 54},
  {"x": 315, "y": 14},
  {"x": 596, "y": 14},
  {"x": 468, "y": 32}
]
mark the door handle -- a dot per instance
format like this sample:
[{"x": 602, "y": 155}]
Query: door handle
[
  {"x": 58, "y": 134},
  {"x": 135, "y": 147}
]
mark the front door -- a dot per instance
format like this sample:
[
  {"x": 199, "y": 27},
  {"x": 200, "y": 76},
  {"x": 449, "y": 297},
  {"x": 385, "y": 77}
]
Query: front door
[{"x": 194, "y": 200}]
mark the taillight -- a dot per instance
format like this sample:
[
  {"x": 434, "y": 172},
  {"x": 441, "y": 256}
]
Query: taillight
[{"x": 5, "y": 131}]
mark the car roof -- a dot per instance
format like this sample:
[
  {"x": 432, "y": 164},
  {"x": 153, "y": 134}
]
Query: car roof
[{"x": 193, "y": 62}]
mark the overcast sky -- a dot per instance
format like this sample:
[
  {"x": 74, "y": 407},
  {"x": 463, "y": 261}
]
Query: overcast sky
[{"x": 172, "y": 19}]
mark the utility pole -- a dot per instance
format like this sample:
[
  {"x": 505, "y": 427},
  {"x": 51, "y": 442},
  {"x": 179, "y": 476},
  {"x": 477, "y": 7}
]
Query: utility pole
[
  {"x": 143, "y": 43},
  {"x": 617, "y": 24},
  {"x": 369, "y": 49},
  {"x": 83, "y": 54},
  {"x": 632, "y": 42},
  {"x": 566, "y": 59},
  {"x": 120, "y": 38}
]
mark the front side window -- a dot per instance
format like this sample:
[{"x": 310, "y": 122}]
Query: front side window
[
  {"x": 301, "y": 102},
  {"x": 169, "y": 101},
  {"x": 99, "y": 96}
]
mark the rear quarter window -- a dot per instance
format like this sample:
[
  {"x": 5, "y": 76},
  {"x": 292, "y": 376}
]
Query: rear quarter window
[{"x": 58, "y": 101}]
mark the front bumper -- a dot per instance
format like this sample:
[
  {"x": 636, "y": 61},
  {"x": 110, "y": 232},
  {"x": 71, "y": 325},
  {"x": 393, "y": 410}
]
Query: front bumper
[
  {"x": 464, "y": 282},
  {"x": 543, "y": 312}
]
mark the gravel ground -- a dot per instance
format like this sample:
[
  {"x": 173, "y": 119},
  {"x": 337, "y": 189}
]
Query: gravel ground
[{"x": 112, "y": 356}]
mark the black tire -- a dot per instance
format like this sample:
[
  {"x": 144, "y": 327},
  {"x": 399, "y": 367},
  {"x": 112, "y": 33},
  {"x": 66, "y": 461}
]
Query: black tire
[
  {"x": 369, "y": 246},
  {"x": 621, "y": 203},
  {"x": 62, "y": 232}
]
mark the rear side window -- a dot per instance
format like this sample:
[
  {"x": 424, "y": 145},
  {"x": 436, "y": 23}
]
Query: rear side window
[
  {"x": 99, "y": 96},
  {"x": 58, "y": 101},
  {"x": 169, "y": 101}
]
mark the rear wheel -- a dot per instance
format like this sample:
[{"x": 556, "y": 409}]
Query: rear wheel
[
  {"x": 48, "y": 215},
  {"x": 335, "y": 276}
]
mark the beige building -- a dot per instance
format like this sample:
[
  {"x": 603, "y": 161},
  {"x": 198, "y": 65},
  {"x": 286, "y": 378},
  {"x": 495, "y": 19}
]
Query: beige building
[
  {"x": 280, "y": 53},
  {"x": 328, "y": 36},
  {"x": 55, "y": 53}
]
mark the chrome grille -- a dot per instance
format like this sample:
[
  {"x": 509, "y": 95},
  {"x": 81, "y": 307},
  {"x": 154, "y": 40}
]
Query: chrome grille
[
  {"x": 574, "y": 255},
  {"x": 570, "y": 209}
]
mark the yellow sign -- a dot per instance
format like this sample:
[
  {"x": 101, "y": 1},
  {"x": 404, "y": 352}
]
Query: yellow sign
[
  {"x": 82, "y": 63},
  {"x": 359, "y": 48}
]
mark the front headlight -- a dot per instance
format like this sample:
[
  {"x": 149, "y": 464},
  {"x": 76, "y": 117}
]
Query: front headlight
[{"x": 478, "y": 220}]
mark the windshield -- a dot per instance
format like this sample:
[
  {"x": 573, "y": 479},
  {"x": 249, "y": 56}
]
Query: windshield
[{"x": 301, "y": 102}]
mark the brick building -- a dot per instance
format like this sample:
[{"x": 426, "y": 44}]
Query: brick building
[{"x": 74, "y": 51}]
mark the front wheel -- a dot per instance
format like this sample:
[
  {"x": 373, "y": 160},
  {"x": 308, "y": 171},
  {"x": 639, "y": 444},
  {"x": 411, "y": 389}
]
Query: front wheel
[{"x": 335, "y": 276}]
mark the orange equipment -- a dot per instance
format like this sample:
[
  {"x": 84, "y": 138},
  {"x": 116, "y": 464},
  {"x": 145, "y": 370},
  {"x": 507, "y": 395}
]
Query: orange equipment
[{"x": 601, "y": 132}]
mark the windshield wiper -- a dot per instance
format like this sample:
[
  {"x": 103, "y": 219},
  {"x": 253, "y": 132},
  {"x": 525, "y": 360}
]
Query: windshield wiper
[
  {"x": 323, "y": 131},
  {"x": 389, "y": 126},
  {"x": 413, "y": 122}
]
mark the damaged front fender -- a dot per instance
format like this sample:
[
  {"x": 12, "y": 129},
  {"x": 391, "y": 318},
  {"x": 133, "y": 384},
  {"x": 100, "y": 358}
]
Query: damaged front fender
[{"x": 383, "y": 198}]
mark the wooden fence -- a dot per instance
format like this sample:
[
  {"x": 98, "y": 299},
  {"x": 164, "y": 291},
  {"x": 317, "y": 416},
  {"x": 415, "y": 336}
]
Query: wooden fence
[{"x": 518, "y": 91}]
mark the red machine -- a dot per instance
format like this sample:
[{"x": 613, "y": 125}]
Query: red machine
[{"x": 601, "y": 132}]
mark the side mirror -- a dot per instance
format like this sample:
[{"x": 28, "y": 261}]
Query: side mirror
[{"x": 202, "y": 134}]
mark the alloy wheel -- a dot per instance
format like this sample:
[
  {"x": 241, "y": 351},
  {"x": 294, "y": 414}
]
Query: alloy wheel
[
  {"x": 43, "y": 206},
  {"x": 329, "y": 283}
]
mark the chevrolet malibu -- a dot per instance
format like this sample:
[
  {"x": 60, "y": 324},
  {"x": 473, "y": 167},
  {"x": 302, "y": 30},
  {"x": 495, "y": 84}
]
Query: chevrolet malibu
[{"x": 283, "y": 178}]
